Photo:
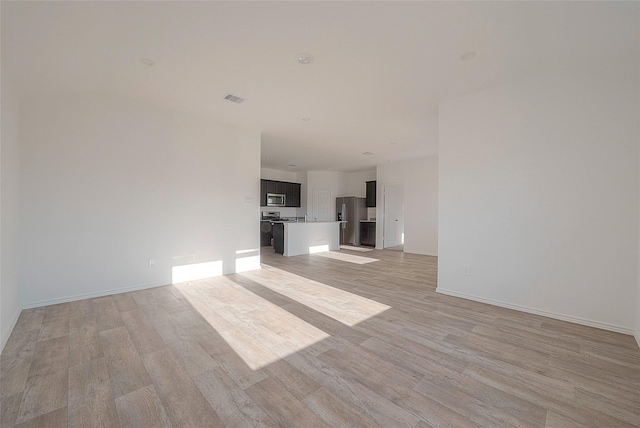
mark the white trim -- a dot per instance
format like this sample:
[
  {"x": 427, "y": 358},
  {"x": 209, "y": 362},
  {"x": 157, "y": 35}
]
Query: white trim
[
  {"x": 576, "y": 320},
  {"x": 7, "y": 333},
  {"x": 92, "y": 295},
  {"x": 637, "y": 336}
]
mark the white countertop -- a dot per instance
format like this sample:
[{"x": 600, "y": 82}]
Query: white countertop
[{"x": 304, "y": 222}]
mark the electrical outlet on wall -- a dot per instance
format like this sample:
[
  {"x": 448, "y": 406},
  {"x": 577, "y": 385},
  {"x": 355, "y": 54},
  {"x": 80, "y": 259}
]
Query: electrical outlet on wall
[
  {"x": 152, "y": 262},
  {"x": 466, "y": 270},
  {"x": 192, "y": 257}
]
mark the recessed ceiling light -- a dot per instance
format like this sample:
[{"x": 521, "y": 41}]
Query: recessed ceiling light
[
  {"x": 367, "y": 153},
  {"x": 292, "y": 165},
  {"x": 304, "y": 58},
  {"x": 306, "y": 119},
  {"x": 147, "y": 61},
  {"x": 467, "y": 56}
]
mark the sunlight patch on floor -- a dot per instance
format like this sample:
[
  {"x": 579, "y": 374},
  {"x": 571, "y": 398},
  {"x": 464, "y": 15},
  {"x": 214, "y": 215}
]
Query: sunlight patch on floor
[
  {"x": 318, "y": 249},
  {"x": 348, "y": 308},
  {"x": 337, "y": 255},
  {"x": 256, "y": 329},
  {"x": 195, "y": 271}
]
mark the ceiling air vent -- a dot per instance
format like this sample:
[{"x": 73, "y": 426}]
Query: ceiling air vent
[{"x": 233, "y": 98}]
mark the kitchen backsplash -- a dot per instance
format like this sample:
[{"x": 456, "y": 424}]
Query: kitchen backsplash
[
  {"x": 371, "y": 213},
  {"x": 286, "y": 211}
]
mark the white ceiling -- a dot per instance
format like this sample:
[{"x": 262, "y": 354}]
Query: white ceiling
[{"x": 379, "y": 73}]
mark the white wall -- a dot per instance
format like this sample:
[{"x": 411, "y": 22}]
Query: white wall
[
  {"x": 108, "y": 184},
  {"x": 9, "y": 211},
  {"x": 637, "y": 327},
  {"x": 420, "y": 179},
  {"x": 539, "y": 196},
  {"x": 355, "y": 182},
  {"x": 277, "y": 175}
]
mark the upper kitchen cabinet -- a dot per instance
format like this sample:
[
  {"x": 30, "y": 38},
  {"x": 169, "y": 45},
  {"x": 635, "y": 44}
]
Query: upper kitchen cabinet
[
  {"x": 294, "y": 191},
  {"x": 371, "y": 194},
  {"x": 290, "y": 190}
]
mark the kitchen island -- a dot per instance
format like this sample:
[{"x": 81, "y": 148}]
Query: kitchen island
[{"x": 292, "y": 238}]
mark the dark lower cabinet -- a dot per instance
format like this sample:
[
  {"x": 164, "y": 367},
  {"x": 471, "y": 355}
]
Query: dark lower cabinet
[
  {"x": 278, "y": 238},
  {"x": 368, "y": 233},
  {"x": 265, "y": 233}
]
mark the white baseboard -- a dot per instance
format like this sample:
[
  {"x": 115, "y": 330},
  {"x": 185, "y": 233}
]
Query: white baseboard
[
  {"x": 637, "y": 336},
  {"x": 562, "y": 317},
  {"x": 91, "y": 295},
  {"x": 73, "y": 298},
  {"x": 6, "y": 332}
]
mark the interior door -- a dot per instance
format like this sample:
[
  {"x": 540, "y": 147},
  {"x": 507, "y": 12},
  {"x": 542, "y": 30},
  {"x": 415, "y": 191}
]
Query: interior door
[
  {"x": 393, "y": 227},
  {"x": 322, "y": 207}
]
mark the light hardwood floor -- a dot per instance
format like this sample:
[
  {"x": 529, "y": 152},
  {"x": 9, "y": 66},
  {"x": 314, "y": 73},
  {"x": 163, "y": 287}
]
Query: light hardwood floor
[{"x": 357, "y": 339}]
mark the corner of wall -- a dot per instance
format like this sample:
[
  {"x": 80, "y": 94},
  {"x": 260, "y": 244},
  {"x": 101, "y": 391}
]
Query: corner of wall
[
  {"x": 9, "y": 210},
  {"x": 7, "y": 329}
]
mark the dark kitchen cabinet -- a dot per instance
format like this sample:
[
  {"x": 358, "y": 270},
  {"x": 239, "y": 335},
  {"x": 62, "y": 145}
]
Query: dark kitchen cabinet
[
  {"x": 272, "y": 186},
  {"x": 290, "y": 190},
  {"x": 371, "y": 194},
  {"x": 263, "y": 193},
  {"x": 266, "y": 233},
  {"x": 281, "y": 188},
  {"x": 295, "y": 195},
  {"x": 368, "y": 233},
  {"x": 278, "y": 238}
]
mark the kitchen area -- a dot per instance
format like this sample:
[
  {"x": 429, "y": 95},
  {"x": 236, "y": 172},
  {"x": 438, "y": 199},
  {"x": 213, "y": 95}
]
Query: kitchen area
[{"x": 297, "y": 220}]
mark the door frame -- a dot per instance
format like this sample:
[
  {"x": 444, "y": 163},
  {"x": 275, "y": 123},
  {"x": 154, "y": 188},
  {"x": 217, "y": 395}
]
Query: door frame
[
  {"x": 402, "y": 192},
  {"x": 314, "y": 214}
]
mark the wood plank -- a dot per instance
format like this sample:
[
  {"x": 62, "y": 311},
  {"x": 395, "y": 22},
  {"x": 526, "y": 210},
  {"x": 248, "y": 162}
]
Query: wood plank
[
  {"x": 47, "y": 387},
  {"x": 107, "y": 313},
  {"x": 335, "y": 412},
  {"x": 55, "y": 322},
  {"x": 9, "y": 407},
  {"x": 142, "y": 408},
  {"x": 81, "y": 308},
  {"x": 126, "y": 370},
  {"x": 348, "y": 389},
  {"x": 90, "y": 398},
  {"x": 30, "y": 319},
  {"x": 125, "y": 302},
  {"x": 282, "y": 406},
  {"x": 230, "y": 402},
  {"x": 50, "y": 356},
  {"x": 15, "y": 361},
  {"x": 43, "y": 394},
  {"x": 184, "y": 403},
  {"x": 143, "y": 334},
  {"x": 84, "y": 339},
  {"x": 56, "y": 418}
]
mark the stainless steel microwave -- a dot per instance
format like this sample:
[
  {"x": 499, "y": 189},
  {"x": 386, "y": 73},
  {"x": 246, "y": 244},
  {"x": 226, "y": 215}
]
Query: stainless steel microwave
[{"x": 276, "y": 200}]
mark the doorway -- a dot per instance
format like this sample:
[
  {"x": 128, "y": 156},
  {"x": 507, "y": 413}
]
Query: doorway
[
  {"x": 322, "y": 207},
  {"x": 393, "y": 225}
]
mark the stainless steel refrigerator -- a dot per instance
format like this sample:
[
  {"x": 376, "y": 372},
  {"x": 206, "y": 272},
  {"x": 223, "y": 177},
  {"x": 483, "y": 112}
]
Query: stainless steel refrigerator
[{"x": 350, "y": 209}]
